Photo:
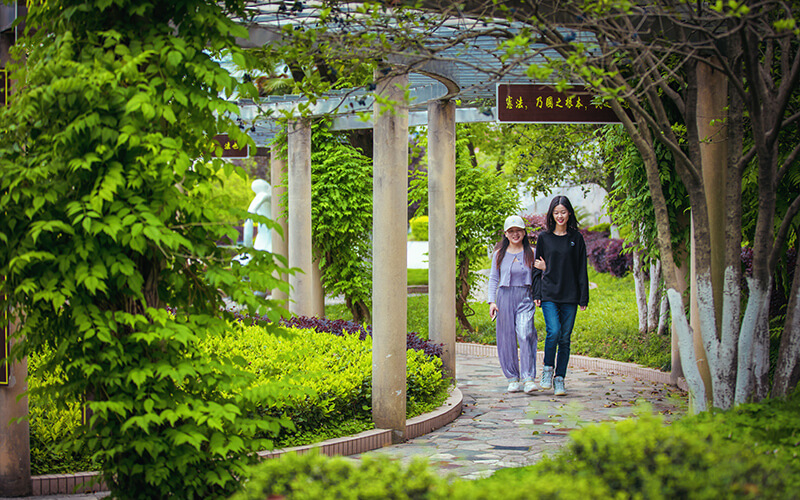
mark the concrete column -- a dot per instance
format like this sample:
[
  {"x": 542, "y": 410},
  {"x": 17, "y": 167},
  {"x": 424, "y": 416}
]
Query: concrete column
[
  {"x": 300, "y": 218},
  {"x": 389, "y": 278},
  {"x": 15, "y": 452},
  {"x": 442, "y": 230},
  {"x": 280, "y": 245}
]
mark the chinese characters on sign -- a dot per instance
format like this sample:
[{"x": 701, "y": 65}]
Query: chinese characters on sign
[
  {"x": 527, "y": 103},
  {"x": 230, "y": 149}
]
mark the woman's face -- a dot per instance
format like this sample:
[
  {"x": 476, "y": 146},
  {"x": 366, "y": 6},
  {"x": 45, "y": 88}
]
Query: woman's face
[
  {"x": 515, "y": 235},
  {"x": 561, "y": 215}
]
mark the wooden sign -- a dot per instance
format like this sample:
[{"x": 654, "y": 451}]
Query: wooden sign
[
  {"x": 529, "y": 103},
  {"x": 230, "y": 149}
]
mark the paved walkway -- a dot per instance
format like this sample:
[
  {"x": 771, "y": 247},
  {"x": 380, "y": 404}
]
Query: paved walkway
[{"x": 498, "y": 429}]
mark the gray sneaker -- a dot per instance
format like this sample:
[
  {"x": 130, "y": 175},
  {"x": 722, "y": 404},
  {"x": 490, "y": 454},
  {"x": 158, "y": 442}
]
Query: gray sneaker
[
  {"x": 547, "y": 377},
  {"x": 558, "y": 387}
]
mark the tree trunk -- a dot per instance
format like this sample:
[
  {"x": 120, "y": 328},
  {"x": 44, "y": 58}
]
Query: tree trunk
[
  {"x": 757, "y": 302},
  {"x": 653, "y": 311},
  {"x": 787, "y": 371},
  {"x": 638, "y": 285},
  {"x": 663, "y": 315},
  {"x": 462, "y": 294},
  {"x": 359, "y": 310}
]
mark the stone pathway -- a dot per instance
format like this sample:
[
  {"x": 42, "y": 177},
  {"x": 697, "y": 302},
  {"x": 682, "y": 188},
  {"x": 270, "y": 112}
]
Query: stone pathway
[{"x": 498, "y": 429}]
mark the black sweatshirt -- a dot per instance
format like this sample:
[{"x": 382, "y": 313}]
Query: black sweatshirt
[{"x": 565, "y": 279}]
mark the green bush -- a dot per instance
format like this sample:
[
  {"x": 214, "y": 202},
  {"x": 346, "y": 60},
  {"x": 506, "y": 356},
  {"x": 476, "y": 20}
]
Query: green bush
[
  {"x": 603, "y": 227},
  {"x": 419, "y": 228},
  {"x": 750, "y": 452},
  {"x": 49, "y": 423},
  {"x": 328, "y": 378},
  {"x": 318, "y": 381},
  {"x": 313, "y": 477}
]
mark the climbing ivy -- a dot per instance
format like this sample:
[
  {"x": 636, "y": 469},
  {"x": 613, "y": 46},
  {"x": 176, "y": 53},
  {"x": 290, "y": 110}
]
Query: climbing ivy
[
  {"x": 105, "y": 154},
  {"x": 341, "y": 217}
]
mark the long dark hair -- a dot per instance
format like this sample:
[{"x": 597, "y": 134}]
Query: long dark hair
[
  {"x": 572, "y": 222},
  {"x": 527, "y": 258}
]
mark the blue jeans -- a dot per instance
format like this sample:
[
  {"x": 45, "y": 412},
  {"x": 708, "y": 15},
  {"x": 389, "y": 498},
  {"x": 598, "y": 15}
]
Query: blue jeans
[{"x": 558, "y": 321}]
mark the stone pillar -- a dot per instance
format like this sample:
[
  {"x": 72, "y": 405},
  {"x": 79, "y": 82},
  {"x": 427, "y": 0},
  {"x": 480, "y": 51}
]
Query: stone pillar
[
  {"x": 442, "y": 230},
  {"x": 389, "y": 275},
  {"x": 280, "y": 244},
  {"x": 300, "y": 218},
  {"x": 15, "y": 453}
]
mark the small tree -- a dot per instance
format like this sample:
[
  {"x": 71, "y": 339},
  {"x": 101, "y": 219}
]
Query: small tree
[{"x": 105, "y": 157}]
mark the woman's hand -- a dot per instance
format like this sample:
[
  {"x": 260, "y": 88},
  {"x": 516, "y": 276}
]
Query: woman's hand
[
  {"x": 538, "y": 303},
  {"x": 583, "y": 308},
  {"x": 492, "y": 310},
  {"x": 540, "y": 264}
]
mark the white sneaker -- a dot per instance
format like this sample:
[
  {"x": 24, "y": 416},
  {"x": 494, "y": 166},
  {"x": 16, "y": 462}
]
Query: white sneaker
[
  {"x": 514, "y": 386},
  {"x": 558, "y": 387},
  {"x": 531, "y": 386}
]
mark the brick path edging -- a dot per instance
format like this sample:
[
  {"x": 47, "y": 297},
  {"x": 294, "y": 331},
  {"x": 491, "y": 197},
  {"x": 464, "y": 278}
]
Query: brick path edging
[{"x": 86, "y": 482}]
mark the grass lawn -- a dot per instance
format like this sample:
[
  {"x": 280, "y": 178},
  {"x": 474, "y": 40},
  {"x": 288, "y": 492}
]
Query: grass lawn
[{"x": 607, "y": 329}]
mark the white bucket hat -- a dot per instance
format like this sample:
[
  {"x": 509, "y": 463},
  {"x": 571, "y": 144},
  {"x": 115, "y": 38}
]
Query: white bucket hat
[{"x": 513, "y": 221}]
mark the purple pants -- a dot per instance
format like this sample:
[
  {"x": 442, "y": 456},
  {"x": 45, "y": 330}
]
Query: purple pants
[{"x": 515, "y": 310}]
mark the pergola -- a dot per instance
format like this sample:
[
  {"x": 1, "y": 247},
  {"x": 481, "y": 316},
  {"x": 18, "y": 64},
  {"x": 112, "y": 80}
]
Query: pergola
[{"x": 458, "y": 85}]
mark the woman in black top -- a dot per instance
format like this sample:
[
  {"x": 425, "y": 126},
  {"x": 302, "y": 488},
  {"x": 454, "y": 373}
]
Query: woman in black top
[{"x": 560, "y": 289}]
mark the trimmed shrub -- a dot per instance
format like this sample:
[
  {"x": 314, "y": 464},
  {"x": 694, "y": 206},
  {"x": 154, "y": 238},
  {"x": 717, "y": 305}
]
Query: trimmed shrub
[
  {"x": 312, "y": 476},
  {"x": 327, "y": 378},
  {"x": 419, "y": 228}
]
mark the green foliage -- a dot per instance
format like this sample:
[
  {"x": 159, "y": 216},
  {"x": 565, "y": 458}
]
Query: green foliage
[
  {"x": 419, "y": 228},
  {"x": 50, "y": 422},
  {"x": 230, "y": 189},
  {"x": 313, "y": 476},
  {"x": 643, "y": 458},
  {"x": 326, "y": 379},
  {"x": 105, "y": 156},
  {"x": 322, "y": 382},
  {"x": 630, "y": 203},
  {"x": 539, "y": 156},
  {"x": 600, "y": 228},
  {"x": 749, "y": 452}
]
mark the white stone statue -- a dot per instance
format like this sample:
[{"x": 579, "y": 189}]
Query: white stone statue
[{"x": 261, "y": 205}]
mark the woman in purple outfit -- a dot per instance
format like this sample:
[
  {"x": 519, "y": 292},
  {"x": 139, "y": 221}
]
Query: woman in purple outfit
[{"x": 511, "y": 305}]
